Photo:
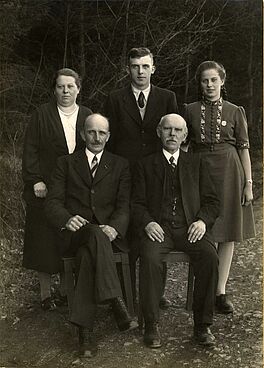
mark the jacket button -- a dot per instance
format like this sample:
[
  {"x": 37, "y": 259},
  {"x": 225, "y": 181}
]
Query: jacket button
[
  {"x": 93, "y": 208},
  {"x": 92, "y": 191},
  {"x": 142, "y": 131}
]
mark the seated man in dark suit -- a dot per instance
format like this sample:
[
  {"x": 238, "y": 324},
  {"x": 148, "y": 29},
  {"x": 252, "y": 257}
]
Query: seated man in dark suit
[
  {"x": 89, "y": 202},
  {"x": 174, "y": 204}
]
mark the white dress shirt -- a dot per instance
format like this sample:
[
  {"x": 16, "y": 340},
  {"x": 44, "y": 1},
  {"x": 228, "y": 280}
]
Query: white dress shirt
[
  {"x": 90, "y": 155},
  {"x": 168, "y": 155}
]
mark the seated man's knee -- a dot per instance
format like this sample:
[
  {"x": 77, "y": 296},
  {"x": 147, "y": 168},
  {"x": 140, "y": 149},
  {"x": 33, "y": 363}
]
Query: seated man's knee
[{"x": 91, "y": 231}]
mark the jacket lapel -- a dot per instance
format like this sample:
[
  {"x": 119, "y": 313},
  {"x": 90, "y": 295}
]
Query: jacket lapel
[
  {"x": 82, "y": 167},
  {"x": 104, "y": 168},
  {"x": 130, "y": 105},
  {"x": 159, "y": 167},
  {"x": 152, "y": 106},
  {"x": 59, "y": 136},
  {"x": 184, "y": 162}
]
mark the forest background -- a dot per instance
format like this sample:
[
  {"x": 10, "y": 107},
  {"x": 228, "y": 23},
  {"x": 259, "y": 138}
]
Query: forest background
[{"x": 37, "y": 37}]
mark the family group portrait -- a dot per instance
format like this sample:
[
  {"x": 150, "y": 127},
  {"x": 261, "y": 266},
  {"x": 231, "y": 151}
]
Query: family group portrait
[{"x": 131, "y": 191}]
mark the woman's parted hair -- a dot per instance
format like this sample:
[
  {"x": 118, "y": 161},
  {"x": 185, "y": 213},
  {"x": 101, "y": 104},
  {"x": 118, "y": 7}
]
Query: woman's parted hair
[
  {"x": 69, "y": 73},
  {"x": 211, "y": 64}
]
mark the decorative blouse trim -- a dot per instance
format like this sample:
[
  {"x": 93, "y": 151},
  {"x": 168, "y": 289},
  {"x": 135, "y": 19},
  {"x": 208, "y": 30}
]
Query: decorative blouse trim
[
  {"x": 219, "y": 105},
  {"x": 242, "y": 145}
]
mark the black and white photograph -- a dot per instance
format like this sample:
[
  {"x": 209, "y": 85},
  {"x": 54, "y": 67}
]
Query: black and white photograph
[{"x": 131, "y": 184}]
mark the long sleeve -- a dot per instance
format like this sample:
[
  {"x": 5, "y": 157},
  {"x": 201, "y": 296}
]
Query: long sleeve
[{"x": 30, "y": 160}]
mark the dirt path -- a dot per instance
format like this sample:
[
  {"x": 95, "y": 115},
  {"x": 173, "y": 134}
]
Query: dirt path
[{"x": 45, "y": 339}]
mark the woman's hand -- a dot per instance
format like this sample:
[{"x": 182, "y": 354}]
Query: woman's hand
[
  {"x": 247, "y": 195},
  {"x": 40, "y": 189}
]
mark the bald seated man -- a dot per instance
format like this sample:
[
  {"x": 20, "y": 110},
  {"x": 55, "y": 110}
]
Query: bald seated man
[
  {"x": 174, "y": 205},
  {"x": 88, "y": 202}
]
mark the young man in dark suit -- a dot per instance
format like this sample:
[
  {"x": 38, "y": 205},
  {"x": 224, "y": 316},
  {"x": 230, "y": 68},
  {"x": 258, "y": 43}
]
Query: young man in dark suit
[
  {"x": 134, "y": 113},
  {"x": 174, "y": 204},
  {"x": 88, "y": 202}
]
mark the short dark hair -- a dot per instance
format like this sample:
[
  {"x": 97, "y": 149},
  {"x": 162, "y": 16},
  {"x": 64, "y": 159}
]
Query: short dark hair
[
  {"x": 210, "y": 64},
  {"x": 69, "y": 73},
  {"x": 138, "y": 52}
]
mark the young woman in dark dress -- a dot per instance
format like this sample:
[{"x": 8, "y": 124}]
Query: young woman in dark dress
[
  {"x": 218, "y": 131},
  {"x": 53, "y": 131}
]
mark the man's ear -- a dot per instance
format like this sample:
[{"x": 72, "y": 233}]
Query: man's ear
[
  {"x": 128, "y": 70},
  {"x": 158, "y": 132},
  {"x": 108, "y": 136},
  {"x": 153, "y": 69}
]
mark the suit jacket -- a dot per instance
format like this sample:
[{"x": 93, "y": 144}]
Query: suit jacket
[
  {"x": 198, "y": 194},
  {"x": 132, "y": 137},
  {"x": 44, "y": 143},
  {"x": 106, "y": 197}
]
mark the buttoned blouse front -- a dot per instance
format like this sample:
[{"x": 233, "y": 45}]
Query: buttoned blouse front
[{"x": 233, "y": 124}]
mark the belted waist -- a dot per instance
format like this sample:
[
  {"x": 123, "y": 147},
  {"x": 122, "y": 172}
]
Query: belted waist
[{"x": 205, "y": 147}]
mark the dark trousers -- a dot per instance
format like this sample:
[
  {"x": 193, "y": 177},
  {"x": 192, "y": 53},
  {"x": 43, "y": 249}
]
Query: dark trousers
[
  {"x": 133, "y": 257},
  {"x": 97, "y": 279},
  {"x": 204, "y": 258}
]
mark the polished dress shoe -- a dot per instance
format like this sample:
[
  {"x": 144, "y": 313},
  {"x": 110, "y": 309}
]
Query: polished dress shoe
[
  {"x": 164, "y": 303},
  {"x": 87, "y": 344},
  {"x": 122, "y": 317},
  {"x": 223, "y": 305},
  {"x": 203, "y": 335},
  {"x": 152, "y": 335}
]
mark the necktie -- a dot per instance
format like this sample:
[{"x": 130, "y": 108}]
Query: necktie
[
  {"x": 94, "y": 166},
  {"x": 172, "y": 163},
  {"x": 141, "y": 100}
]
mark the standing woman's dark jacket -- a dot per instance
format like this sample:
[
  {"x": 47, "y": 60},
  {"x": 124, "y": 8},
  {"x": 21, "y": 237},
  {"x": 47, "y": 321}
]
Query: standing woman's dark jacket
[{"x": 44, "y": 142}]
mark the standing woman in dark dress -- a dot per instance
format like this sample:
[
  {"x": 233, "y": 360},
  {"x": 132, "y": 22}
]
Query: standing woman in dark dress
[
  {"x": 218, "y": 131},
  {"x": 54, "y": 131}
]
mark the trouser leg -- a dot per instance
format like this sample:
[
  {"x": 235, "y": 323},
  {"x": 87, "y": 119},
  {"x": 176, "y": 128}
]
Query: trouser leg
[
  {"x": 205, "y": 264},
  {"x": 97, "y": 278},
  {"x": 151, "y": 276},
  {"x": 133, "y": 257}
]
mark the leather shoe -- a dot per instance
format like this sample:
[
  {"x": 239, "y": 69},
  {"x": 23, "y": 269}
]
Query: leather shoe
[
  {"x": 122, "y": 317},
  {"x": 164, "y": 303},
  {"x": 60, "y": 300},
  {"x": 152, "y": 335},
  {"x": 87, "y": 344},
  {"x": 223, "y": 305},
  {"x": 203, "y": 335},
  {"x": 48, "y": 304}
]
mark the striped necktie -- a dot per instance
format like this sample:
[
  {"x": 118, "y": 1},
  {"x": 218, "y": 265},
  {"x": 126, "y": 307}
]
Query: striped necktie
[
  {"x": 172, "y": 162},
  {"x": 94, "y": 166}
]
